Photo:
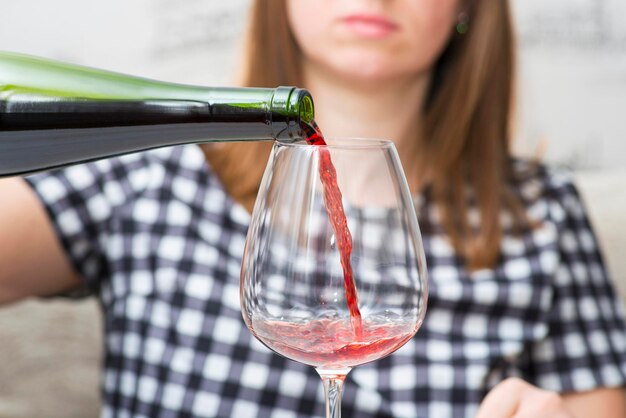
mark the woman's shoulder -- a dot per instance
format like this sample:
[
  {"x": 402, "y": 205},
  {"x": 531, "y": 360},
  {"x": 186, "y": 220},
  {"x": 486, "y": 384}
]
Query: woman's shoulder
[
  {"x": 548, "y": 186},
  {"x": 155, "y": 166},
  {"x": 535, "y": 179},
  {"x": 123, "y": 178}
]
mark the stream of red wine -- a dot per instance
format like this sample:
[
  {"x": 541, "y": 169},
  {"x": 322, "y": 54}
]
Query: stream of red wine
[{"x": 334, "y": 207}]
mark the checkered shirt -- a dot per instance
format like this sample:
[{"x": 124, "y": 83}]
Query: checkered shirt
[{"x": 157, "y": 239}]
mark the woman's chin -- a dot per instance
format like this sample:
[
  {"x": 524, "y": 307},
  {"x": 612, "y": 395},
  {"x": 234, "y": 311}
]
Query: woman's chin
[
  {"x": 373, "y": 68},
  {"x": 371, "y": 76},
  {"x": 366, "y": 67}
]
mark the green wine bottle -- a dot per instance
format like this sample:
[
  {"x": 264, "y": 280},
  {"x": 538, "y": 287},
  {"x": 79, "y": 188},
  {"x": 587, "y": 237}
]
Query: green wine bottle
[{"x": 54, "y": 114}]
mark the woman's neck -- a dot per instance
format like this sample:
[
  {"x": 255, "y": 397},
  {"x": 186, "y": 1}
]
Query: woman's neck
[{"x": 387, "y": 109}]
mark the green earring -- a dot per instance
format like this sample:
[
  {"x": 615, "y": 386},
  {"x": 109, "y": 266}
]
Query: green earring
[{"x": 462, "y": 24}]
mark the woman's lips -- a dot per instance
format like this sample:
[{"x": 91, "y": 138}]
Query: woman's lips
[{"x": 370, "y": 26}]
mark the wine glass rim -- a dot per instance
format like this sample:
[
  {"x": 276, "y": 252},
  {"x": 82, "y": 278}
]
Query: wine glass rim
[{"x": 345, "y": 143}]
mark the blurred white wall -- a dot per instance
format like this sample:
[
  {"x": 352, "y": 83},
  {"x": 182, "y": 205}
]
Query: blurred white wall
[
  {"x": 572, "y": 85},
  {"x": 192, "y": 41}
]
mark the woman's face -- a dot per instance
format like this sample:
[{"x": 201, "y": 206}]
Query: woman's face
[{"x": 372, "y": 40}]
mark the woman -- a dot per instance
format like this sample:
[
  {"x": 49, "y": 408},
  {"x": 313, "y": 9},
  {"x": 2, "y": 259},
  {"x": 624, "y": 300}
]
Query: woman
[{"x": 517, "y": 285}]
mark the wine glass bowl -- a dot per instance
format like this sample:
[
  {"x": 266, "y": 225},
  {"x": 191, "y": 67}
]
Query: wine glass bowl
[{"x": 310, "y": 290}]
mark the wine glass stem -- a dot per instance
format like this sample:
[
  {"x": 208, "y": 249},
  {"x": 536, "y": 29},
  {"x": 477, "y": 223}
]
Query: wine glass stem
[{"x": 333, "y": 389}]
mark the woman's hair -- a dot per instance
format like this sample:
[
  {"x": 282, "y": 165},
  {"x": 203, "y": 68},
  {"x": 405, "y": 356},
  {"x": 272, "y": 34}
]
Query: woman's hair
[{"x": 464, "y": 142}]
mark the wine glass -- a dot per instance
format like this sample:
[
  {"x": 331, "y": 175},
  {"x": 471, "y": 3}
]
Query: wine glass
[{"x": 312, "y": 292}]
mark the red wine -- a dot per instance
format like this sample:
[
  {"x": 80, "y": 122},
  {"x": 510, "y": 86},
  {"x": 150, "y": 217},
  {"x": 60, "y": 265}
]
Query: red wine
[
  {"x": 334, "y": 207},
  {"x": 331, "y": 344}
]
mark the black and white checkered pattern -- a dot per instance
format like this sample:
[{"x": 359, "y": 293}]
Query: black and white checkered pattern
[{"x": 159, "y": 241}]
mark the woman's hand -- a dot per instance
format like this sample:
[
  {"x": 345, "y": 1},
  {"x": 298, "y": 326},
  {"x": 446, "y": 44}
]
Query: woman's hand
[{"x": 514, "y": 398}]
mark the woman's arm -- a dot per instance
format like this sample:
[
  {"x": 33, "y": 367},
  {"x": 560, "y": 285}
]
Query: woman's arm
[
  {"x": 32, "y": 261},
  {"x": 514, "y": 398}
]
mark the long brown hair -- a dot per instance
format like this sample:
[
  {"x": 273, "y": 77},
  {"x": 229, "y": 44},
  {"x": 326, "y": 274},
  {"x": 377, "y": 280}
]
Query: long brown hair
[{"x": 465, "y": 137}]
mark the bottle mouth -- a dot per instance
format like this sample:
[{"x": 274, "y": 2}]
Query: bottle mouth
[
  {"x": 306, "y": 109},
  {"x": 291, "y": 108}
]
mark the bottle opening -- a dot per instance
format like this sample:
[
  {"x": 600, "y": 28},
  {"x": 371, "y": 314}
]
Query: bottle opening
[
  {"x": 291, "y": 108},
  {"x": 307, "y": 112}
]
